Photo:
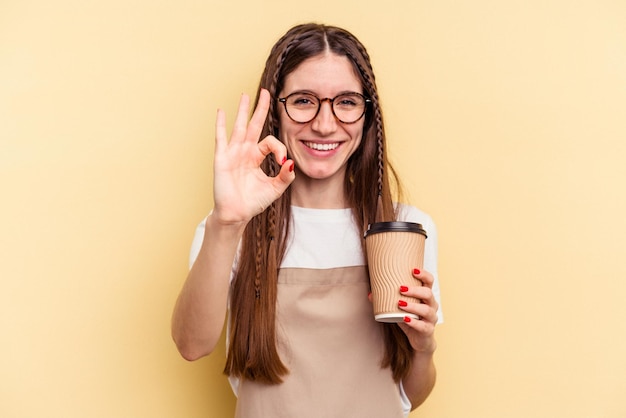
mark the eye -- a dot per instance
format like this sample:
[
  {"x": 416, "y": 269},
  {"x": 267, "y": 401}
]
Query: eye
[
  {"x": 349, "y": 100},
  {"x": 303, "y": 100}
]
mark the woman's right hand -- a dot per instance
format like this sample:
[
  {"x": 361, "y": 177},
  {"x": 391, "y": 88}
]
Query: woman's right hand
[{"x": 241, "y": 189}]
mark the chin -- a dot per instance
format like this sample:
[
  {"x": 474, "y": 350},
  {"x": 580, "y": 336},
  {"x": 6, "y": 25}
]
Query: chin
[{"x": 321, "y": 174}]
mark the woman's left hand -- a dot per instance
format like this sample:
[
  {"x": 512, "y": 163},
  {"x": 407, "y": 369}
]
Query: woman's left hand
[{"x": 420, "y": 332}]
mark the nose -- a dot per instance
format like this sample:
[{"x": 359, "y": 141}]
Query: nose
[{"x": 325, "y": 122}]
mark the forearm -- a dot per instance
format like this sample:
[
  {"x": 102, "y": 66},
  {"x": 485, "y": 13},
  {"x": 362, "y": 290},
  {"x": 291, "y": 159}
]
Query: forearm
[
  {"x": 420, "y": 381},
  {"x": 199, "y": 313}
]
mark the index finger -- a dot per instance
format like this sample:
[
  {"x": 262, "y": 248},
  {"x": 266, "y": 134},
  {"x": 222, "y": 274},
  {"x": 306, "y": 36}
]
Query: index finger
[{"x": 425, "y": 277}]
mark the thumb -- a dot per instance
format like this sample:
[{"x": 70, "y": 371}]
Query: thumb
[{"x": 285, "y": 176}]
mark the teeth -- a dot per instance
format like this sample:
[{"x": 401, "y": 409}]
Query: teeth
[{"x": 322, "y": 147}]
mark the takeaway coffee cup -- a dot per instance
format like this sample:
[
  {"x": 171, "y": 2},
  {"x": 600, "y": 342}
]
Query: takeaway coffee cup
[{"x": 394, "y": 249}]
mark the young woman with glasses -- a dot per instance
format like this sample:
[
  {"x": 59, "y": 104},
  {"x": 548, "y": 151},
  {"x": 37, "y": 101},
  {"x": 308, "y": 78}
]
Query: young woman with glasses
[{"x": 281, "y": 253}]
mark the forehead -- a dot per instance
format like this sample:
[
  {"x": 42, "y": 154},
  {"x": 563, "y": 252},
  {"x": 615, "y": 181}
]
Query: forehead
[{"x": 326, "y": 75}]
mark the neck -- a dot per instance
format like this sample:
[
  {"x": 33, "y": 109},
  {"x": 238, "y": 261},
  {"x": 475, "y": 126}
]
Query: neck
[{"x": 318, "y": 194}]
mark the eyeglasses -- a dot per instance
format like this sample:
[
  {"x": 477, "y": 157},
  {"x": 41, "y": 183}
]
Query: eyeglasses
[{"x": 303, "y": 107}]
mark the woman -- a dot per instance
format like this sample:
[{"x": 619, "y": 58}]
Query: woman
[{"x": 282, "y": 249}]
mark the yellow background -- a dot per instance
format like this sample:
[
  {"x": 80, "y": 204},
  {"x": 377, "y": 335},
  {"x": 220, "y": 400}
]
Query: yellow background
[{"x": 505, "y": 118}]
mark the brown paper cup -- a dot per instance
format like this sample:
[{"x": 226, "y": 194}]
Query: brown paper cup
[{"x": 394, "y": 249}]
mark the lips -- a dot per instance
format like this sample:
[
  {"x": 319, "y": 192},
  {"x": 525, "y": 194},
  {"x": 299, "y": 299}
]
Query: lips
[{"x": 322, "y": 147}]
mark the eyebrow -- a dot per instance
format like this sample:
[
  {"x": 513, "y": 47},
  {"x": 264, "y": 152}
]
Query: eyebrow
[{"x": 319, "y": 96}]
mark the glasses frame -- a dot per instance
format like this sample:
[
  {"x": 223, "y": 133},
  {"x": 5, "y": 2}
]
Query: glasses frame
[{"x": 367, "y": 101}]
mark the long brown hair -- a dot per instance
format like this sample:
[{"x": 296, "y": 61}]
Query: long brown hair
[{"x": 252, "y": 350}]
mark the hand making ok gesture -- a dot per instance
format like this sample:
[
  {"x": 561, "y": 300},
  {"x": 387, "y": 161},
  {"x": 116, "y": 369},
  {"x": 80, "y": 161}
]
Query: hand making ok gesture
[{"x": 241, "y": 189}]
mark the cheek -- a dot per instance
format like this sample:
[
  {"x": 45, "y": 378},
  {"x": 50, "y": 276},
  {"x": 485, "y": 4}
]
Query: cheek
[
  {"x": 287, "y": 134},
  {"x": 357, "y": 134},
  {"x": 283, "y": 128}
]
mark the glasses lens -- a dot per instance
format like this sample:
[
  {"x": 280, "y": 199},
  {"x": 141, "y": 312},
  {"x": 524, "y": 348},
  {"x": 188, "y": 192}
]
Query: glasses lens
[
  {"x": 302, "y": 107},
  {"x": 349, "y": 107}
]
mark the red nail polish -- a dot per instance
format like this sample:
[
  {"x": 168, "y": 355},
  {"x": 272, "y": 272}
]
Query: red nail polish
[
  {"x": 293, "y": 165},
  {"x": 416, "y": 271},
  {"x": 284, "y": 160},
  {"x": 404, "y": 289},
  {"x": 407, "y": 319},
  {"x": 402, "y": 303}
]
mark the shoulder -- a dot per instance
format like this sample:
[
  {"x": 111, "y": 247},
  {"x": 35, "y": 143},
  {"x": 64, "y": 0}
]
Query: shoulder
[{"x": 410, "y": 213}]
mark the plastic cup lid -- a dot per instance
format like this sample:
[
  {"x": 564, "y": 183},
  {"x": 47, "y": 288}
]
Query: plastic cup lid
[{"x": 396, "y": 226}]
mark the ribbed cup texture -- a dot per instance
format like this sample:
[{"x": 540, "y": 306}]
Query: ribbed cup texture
[{"x": 392, "y": 256}]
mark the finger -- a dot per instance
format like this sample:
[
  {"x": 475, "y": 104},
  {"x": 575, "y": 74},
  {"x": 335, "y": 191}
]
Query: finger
[
  {"x": 241, "y": 121},
  {"x": 271, "y": 145},
  {"x": 425, "y": 329},
  {"x": 279, "y": 183},
  {"x": 255, "y": 127},
  {"x": 424, "y": 277},
  {"x": 423, "y": 293},
  {"x": 221, "y": 138},
  {"x": 423, "y": 311},
  {"x": 285, "y": 176}
]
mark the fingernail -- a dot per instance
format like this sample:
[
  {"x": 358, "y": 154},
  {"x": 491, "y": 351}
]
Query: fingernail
[
  {"x": 402, "y": 303},
  {"x": 284, "y": 160},
  {"x": 369, "y": 294},
  {"x": 416, "y": 271},
  {"x": 404, "y": 289},
  {"x": 407, "y": 319},
  {"x": 293, "y": 165}
]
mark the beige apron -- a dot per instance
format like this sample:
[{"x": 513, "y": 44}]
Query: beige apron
[{"x": 332, "y": 346}]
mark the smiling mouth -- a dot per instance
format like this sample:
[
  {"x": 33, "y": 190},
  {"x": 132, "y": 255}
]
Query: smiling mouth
[{"x": 322, "y": 147}]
